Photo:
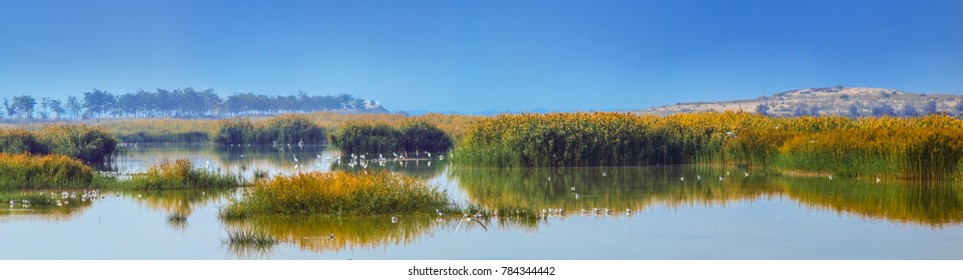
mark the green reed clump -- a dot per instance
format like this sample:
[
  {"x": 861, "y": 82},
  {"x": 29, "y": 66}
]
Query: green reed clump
[
  {"x": 24, "y": 171},
  {"x": 575, "y": 139},
  {"x": 181, "y": 174},
  {"x": 366, "y": 137},
  {"x": 16, "y": 141},
  {"x": 373, "y": 137},
  {"x": 234, "y": 132},
  {"x": 423, "y": 136},
  {"x": 890, "y": 152},
  {"x": 336, "y": 193},
  {"x": 755, "y": 147},
  {"x": 285, "y": 129},
  {"x": 934, "y": 154},
  {"x": 87, "y": 143}
]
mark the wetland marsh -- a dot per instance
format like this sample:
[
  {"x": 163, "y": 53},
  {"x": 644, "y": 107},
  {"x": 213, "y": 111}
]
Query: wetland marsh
[{"x": 674, "y": 212}]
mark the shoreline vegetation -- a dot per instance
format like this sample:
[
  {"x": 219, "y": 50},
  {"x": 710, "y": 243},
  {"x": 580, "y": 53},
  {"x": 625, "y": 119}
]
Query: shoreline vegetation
[
  {"x": 338, "y": 193},
  {"x": 59, "y": 156},
  {"x": 926, "y": 148}
]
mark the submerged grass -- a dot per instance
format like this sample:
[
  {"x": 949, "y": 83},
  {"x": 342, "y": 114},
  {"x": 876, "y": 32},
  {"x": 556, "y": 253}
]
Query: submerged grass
[
  {"x": 181, "y": 174},
  {"x": 337, "y": 193}
]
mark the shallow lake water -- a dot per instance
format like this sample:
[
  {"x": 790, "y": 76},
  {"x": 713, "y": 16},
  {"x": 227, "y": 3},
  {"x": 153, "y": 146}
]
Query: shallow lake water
[{"x": 655, "y": 212}]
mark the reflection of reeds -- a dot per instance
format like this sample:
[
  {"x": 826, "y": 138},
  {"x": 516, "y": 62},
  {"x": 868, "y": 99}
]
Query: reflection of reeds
[
  {"x": 616, "y": 188},
  {"x": 924, "y": 203}
]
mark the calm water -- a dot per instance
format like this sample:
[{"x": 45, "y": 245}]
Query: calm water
[{"x": 674, "y": 216}]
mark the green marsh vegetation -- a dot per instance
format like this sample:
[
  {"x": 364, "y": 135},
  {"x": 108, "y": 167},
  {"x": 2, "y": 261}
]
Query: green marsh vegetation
[
  {"x": 337, "y": 193},
  {"x": 373, "y": 137},
  {"x": 181, "y": 174},
  {"x": 24, "y": 171},
  {"x": 87, "y": 143},
  {"x": 928, "y": 147},
  {"x": 288, "y": 129}
]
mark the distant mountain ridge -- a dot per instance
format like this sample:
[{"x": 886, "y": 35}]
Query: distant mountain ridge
[{"x": 837, "y": 101}]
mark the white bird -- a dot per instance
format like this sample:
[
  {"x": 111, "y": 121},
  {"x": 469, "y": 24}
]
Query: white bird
[
  {"x": 207, "y": 164},
  {"x": 573, "y": 189},
  {"x": 604, "y": 174},
  {"x": 830, "y": 177},
  {"x": 296, "y": 159},
  {"x": 394, "y": 220},
  {"x": 746, "y": 174},
  {"x": 301, "y": 143},
  {"x": 698, "y": 177},
  {"x": 682, "y": 178},
  {"x": 877, "y": 179},
  {"x": 319, "y": 156},
  {"x": 429, "y": 154},
  {"x": 440, "y": 214},
  {"x": 720, "y": 178}
]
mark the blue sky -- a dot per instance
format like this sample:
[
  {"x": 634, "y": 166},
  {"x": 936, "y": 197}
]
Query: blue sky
[{"x": 472, "y": 55}]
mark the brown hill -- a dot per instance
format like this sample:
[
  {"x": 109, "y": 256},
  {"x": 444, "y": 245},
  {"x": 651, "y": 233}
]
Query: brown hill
[{"x": 839, "y": 101}]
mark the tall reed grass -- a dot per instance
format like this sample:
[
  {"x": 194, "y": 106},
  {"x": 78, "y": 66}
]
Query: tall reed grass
[
  {"x": 288, "y": 129},
  {"x": 338, "y": 193},
  {"x": 928, "y": 147},
  {"x": 24, "y": 171},
  {"x": 370, "y": 137},
  {"x": 83, "y": 142}
]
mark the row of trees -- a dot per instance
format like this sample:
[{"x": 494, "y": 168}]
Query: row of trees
[{"x": 186, "y": 102}]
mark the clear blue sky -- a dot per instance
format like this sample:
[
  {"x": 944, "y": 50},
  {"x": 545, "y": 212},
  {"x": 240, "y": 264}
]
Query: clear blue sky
[{"x": 473, "y": 55}]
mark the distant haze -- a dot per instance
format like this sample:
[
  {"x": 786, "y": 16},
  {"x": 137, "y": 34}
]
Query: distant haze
[{"x": 475, "y": 56}]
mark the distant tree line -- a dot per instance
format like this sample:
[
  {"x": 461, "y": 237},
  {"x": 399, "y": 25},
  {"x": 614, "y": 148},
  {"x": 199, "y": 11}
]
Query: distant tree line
[
  {"x": 180, "y": 103},
  {"x": 877, "y": 110}
]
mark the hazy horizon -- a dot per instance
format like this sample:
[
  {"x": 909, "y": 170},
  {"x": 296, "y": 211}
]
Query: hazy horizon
[{"x": 482, "y": 56}]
